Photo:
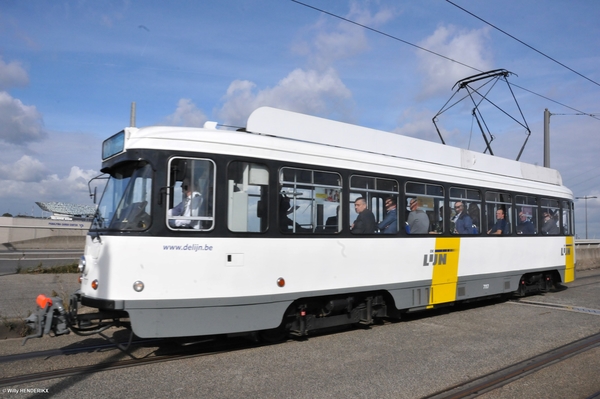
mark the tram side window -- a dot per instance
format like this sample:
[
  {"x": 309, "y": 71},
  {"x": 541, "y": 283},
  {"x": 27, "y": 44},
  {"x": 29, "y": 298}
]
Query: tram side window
[
  {"x": 498, "y": 211},
  {"x": 551, "y": 215},
  {"x": 567, "y": 218},
  {"x": 309, "y": 201},
  {"x": 526, "y": 214},
  {"x": 424, "y": 210},
  {"x": 380, "y": 215},
  {"x": 465, "y": 205},
  {"x": 248, "y": 197},
  {"x": 190, "y": 197}
]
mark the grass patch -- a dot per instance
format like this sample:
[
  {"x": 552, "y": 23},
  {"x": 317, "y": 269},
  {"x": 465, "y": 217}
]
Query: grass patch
[
  {"x": 39, "y": 269},
  {"x": 13, "y": 328}
]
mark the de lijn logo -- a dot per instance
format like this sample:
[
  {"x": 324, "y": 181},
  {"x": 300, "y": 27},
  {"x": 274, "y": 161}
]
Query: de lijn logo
[
  {"x": 566, "y": 250},
  {"x": 436, "y": 257}
]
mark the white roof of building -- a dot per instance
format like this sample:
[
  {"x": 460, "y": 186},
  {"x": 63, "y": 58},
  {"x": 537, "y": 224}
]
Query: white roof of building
[{"x": 63, "y": 208}]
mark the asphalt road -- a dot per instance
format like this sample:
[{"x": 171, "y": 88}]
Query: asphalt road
[{"x": 409, "y": 359}]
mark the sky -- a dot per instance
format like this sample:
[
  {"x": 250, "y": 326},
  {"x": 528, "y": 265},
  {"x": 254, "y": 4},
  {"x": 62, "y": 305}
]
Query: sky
[{"x": 69, "y": 71}]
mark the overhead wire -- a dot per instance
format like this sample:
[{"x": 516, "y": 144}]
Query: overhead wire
[
  {"x": 384, "y": 34},
  {"x": 523, "y": 43},
  {"x": 441, "y": 55}
]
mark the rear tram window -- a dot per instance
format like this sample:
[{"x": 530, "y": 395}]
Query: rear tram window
[
  {"x": 248, "y": 197},
  {"x": 465, "y": 211},
  {"x": 424, "y": 208},
  {"x": 550, "y": 217},
  {"x": 309, "y": 201},
  {"x": 190, "y": 196},
  {"x": 567, "y": 218},
  {"x": 526, "y": 214},
  {"x": 381, "y": 198},
  {"x": 498, "y": 206}
]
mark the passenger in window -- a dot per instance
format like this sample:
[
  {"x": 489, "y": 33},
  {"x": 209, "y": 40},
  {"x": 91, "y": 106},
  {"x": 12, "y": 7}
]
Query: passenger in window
[
  {"x": 389, "y": 224},
  {"x": 550, "y": 227},
  {"x": 418, "y": 221},
  {"x": 331, "y": 224},
  {"x": 463, "y": 223},
  {"x": 285, "y": 223},
  {"x": 188, "y": 207},
  {"x": 365, "y": 222},
  {"x": 474, "y": 214},
  {"x": 500, "y": 227},
  {"x": 524, "y": 226}
]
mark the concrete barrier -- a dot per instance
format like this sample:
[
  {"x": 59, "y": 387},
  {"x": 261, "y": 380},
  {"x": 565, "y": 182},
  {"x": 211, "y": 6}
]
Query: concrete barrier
[
  {"x": 22, "y": 233},
  {"x": 46, "y": 243},
  {"x": 587, "y": 254}
]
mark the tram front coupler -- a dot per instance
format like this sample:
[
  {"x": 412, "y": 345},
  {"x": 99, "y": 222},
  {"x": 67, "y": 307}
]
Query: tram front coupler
[{"x": 50, "y": 315}]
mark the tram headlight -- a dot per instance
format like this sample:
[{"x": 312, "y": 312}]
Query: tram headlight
[
  {"x": 138, "y": 286},
  {"x": 81, "y": 265}
]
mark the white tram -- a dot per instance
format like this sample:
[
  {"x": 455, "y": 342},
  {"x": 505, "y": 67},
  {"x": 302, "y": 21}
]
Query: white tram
[{"x": 205, "y": 231}]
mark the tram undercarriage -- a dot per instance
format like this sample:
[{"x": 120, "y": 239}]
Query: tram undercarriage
[{"x": 302, "y": 317}]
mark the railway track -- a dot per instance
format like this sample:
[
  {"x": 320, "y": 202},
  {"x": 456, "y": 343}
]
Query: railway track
[
  {"x": 175, "y": 351},
  {"x": 489, "y": 382}
]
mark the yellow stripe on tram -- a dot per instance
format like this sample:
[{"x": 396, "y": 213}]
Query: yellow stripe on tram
[
  {"x": 569, "y": 260},
  {"x": 445, "y": 270}
]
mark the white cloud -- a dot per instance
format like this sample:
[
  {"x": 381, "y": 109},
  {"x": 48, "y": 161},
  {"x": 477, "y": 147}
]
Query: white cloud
[
  {"x": 66, "y": 189},
  {"x": 186, "y": 114},
  {"x": 345, "y": 40},
  {"x": 26, "y": 169},
  {"x": 31, "y": 183},
  {"x": 20, "y": 123},
  {"x": 12, "y": 75},
  {"x": 468, "y": 47},
  {"x": 311, "y": 92},
  {"x": 417, "y": 123}
]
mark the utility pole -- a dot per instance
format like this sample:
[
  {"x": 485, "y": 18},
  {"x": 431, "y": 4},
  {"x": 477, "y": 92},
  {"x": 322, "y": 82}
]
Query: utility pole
[
  {"x": 132, "y": 115},
  {"x": 586, "y": 198},
  {"x": 547, "y": 138}
]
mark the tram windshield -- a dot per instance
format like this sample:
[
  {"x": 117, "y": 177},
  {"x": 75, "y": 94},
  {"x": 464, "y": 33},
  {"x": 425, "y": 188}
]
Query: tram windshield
[{"x": 125, "y": 204}]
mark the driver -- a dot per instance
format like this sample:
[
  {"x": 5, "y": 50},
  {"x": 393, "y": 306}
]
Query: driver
[{"x": 188, "y": 207}]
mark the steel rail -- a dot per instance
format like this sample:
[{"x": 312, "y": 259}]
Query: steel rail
[
  {"x": 217, "y": 348},
  {"x": 73, "y": 351},
  {"x": 497, "y": 379}
]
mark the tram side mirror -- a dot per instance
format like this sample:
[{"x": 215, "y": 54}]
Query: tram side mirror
[{"x": 93, "y": 195}]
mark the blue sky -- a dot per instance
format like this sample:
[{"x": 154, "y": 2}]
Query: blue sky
[{"x": 69, "y": 71}]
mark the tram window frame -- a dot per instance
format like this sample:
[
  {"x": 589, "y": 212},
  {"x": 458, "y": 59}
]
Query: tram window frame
[
  {"x": 426, "y": 194},
  {"x": 127, "y": 203},
  {"x": 247, "y": 197},
  {"x": 179, "y": 172},
  {"x": 528, "y": 206},
  {"x": 568, "y": 227},
  {"x": 324, "y": 189},
  {"x": 375, "y": 191},
  {"x": 471, "y": 200},
  {"x": 495, "y": 200},
  {"x": 550, "y": 207}
]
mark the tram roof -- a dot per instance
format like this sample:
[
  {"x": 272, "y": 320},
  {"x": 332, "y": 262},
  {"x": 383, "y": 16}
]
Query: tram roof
[
  {"x": 268, "y": 121},
  {"x": 293, "y": 125}
]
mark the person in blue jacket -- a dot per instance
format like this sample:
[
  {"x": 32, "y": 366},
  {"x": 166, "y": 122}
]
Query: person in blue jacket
[
  {"x": 389, "y": 224},
  {"x": 463, "y": 223}
]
